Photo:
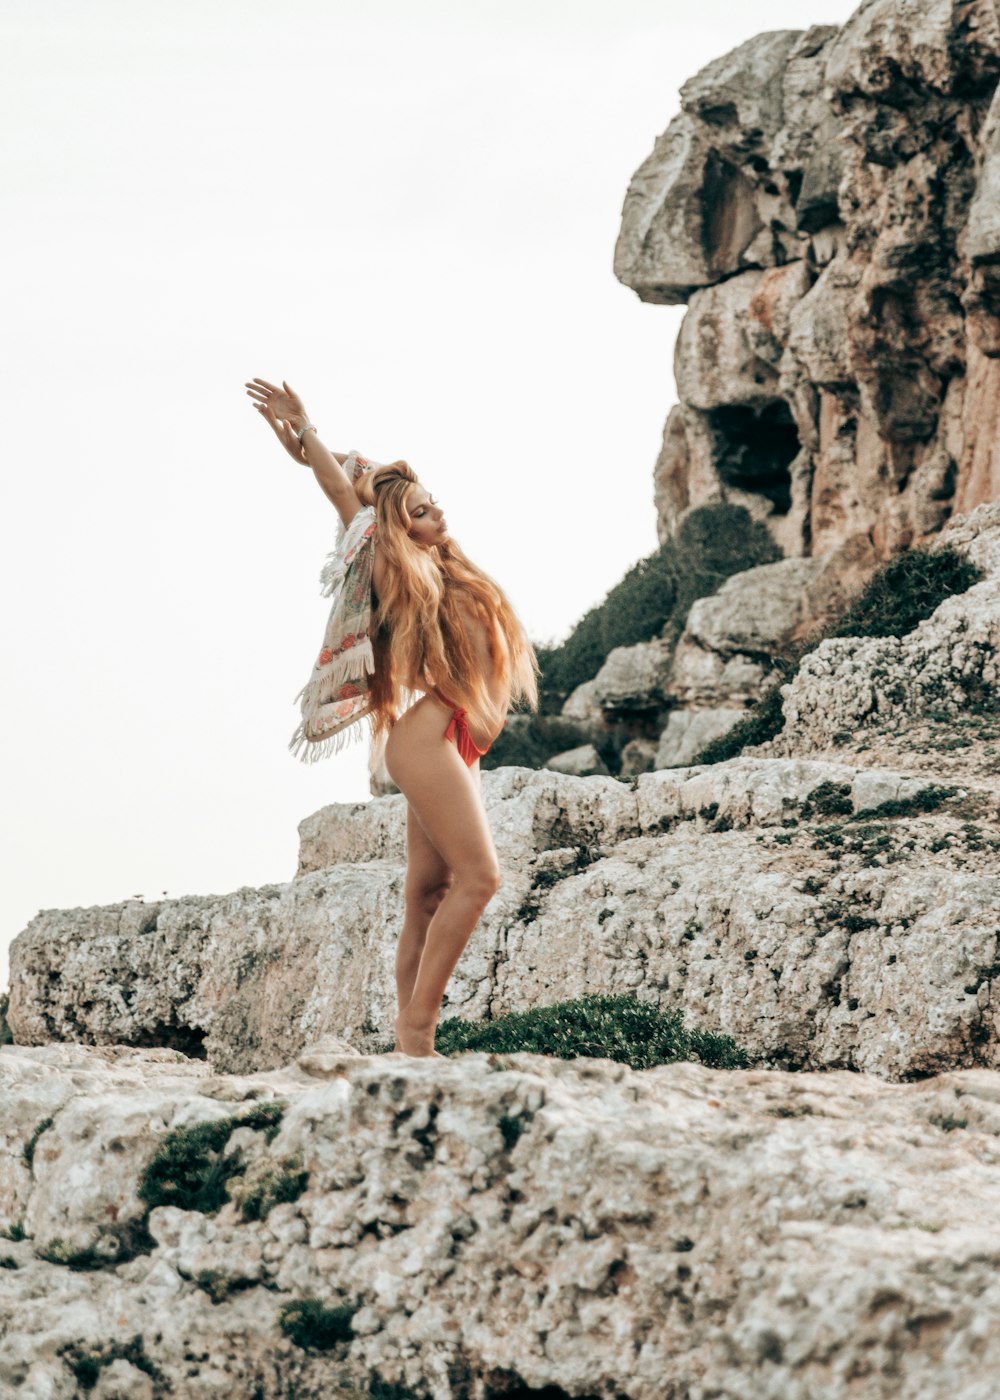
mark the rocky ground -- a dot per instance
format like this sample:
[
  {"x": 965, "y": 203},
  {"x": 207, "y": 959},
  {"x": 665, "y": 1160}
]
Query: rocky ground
[{"x": 497, "y": 1225}]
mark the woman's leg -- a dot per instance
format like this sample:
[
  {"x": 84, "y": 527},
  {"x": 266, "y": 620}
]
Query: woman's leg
[
  {"x": 427, "y": 881},
  {"x": 446, "y": 798}
]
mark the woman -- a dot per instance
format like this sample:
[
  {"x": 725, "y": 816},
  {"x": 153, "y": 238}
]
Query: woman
[{"x": 428, "y": 621}]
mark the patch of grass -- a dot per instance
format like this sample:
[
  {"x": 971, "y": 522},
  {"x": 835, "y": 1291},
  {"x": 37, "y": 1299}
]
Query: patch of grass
[
  {"x": 16, "y": 1232},
  {"x": 217, "y": 1286},
  {"x": 5, "y": 1036},
  {"x": 614, "y": 1028},
  {"x": 856, "y": 923},
  {"x": 308, "y": 1323},
  {"x": 188, "y": 1169},
  {"x": 7, "y": 1261},
  {"x": 905, "y": 591}
]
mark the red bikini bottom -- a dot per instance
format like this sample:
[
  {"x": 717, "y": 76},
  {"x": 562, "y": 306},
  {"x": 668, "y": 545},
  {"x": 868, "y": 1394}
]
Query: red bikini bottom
[{"x": 459, "y": 729}]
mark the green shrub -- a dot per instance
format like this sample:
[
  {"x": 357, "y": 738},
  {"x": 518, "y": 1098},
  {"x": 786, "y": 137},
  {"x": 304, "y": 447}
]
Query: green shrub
[
  {"x": 188, "y": 1169},
  {"x": 78, "y": 1259},
  {"x": 712, "y": 543},
  {"x": 266, "y": 1183},
  {"x": 309, "y": 1324},
  {"x": 612, "y": 1028},
  {"x": 928, "y": 799},
  {"x": 530, "y": 740},
  {"x": 5, "y": 1036},
  {"x": 905, "y": 591}
]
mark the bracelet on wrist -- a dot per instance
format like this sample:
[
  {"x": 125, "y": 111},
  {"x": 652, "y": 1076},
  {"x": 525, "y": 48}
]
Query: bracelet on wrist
[{"x": 303, "y": 430}]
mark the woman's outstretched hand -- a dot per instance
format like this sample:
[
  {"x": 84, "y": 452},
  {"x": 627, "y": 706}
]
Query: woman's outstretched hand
[{"x": 283, "y": 409}]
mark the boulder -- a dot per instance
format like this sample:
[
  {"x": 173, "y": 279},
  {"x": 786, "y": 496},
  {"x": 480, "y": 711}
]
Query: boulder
[
  {"x": 582, "y": 761},
  {"x": 756, "y": 612},
  {"x": 633, "y": 678},
  {"x": 688, "y": 731}
]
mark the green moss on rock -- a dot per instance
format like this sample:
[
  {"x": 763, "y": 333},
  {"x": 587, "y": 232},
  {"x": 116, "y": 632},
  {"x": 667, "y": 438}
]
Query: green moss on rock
[{"x": 188, "y": 1168}]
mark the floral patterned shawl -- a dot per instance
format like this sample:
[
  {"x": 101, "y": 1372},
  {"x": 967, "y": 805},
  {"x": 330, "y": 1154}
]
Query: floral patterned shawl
[{"x": 337, "y": 693}]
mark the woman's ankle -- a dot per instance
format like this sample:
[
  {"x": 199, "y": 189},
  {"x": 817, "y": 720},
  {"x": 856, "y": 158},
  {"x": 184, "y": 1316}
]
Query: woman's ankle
[{"x": 417, "y": 1018}]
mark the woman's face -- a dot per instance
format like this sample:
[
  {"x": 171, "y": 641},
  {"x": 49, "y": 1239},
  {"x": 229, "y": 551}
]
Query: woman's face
[{"x": 428, "y": 525}]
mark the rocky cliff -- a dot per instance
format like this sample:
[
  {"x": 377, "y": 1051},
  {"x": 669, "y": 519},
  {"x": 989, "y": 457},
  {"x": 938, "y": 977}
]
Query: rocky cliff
[
  {"x": 212, "y": 1181},
  {"x": 826, "y": 205}
]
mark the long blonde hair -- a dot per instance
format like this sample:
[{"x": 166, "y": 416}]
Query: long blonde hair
[{"x": 418, "y": 630}]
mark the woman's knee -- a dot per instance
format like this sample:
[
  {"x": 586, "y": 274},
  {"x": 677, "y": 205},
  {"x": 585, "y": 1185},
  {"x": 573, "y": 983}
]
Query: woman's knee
[{"x": 480, "y": 882}]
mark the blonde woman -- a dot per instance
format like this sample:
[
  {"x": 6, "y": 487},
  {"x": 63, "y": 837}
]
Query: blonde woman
[{"x": 427, "y": 622}]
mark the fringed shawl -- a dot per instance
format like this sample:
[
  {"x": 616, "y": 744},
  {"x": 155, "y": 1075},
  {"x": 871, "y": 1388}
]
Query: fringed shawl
[{"x": 336, "y": 695}]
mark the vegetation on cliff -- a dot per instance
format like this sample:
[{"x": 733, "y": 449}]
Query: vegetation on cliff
[
  {"x": 905, "y": 591},
  {"x": 653, "y": 599}
]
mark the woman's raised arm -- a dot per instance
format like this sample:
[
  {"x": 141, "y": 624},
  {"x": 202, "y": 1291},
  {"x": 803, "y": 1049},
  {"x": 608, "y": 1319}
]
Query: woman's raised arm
[{"x": 287, "y": 415}]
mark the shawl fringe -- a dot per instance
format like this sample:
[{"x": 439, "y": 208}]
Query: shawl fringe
[
  {"x": 312, "y": 750},
  {"x": 345, "y": 577},
  {"x": 352, "y": 666}
]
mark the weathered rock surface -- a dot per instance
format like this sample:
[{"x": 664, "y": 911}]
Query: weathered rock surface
[
  {"x": 735, "y": 1233},
  {"x": 779, "y": 901},
  {"x": 632, "y": 679},
  {"x": 826, "y": 203},
  {"x": 948, "y": 664},
  {"x": 757, "y": 611}
]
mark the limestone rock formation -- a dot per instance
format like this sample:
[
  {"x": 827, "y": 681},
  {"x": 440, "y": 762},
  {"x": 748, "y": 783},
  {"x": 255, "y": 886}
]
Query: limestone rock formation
[
  {"x": 824, "y": 203},
  {"x": 850, "y": 685},
  {"x": 738, "y": 1234},
  {"x": 763, "y": 898}
]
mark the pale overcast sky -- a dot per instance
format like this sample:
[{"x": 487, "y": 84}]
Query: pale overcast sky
[{"x": 408, "y": 211}]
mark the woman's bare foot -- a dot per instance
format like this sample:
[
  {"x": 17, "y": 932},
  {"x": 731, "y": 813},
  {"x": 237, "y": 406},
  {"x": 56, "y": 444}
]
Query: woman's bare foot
[{"x": 416, "y": 1039}]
